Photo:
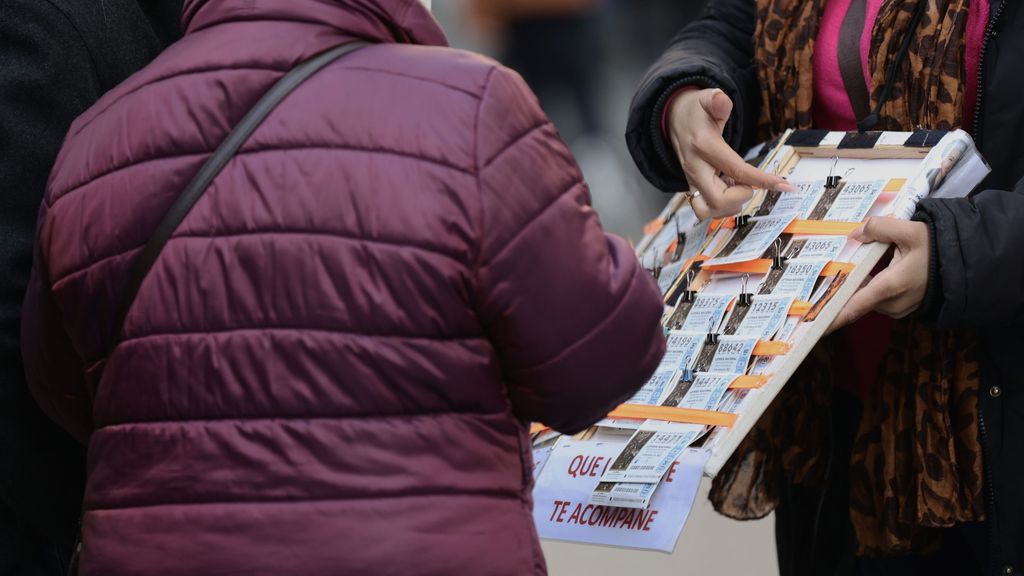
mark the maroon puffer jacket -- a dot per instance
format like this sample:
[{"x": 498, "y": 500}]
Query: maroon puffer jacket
[{"x": 329, "y": 367}]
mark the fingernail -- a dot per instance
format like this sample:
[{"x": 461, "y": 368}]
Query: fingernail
[{"x": 785, "y": 186}]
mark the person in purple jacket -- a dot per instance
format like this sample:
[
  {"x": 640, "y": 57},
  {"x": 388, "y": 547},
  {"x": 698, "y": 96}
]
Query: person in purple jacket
[{"x": 330, "y": 366}]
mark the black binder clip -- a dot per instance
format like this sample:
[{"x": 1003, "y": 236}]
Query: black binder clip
[
  {"x": 745, "y": 298},
  {"x": 680, "y": 243},
  {"x": 655, "y": 270},
  {"x": 742, "y": 220},
  {"x": 778, "y": 261},
  {"x": 711, "y": 339},
  {"x": 832, "y": 180},
  {"x": 689, "y": 295}
]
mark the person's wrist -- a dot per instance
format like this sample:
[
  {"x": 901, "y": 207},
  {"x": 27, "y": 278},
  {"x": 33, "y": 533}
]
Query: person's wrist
[
  {"x": 928, "y": 311},
  {"x": 675, "y": 103}
]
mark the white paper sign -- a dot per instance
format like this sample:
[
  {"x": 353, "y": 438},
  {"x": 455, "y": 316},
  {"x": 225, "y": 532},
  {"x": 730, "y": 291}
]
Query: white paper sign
[
  {"x": 540, "y": 457},
  {"x": 650, "y": 452},
  {"x": 749, "y": 242},
  {"x": 561, "y": 510}
]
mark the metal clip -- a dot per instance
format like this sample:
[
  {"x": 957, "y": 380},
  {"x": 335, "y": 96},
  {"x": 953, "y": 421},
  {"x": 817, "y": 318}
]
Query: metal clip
[
  {"x": 778, "y": 261},
  {"x": 689, "y": 295},
  {"x": 742, "y": 220},
  {"x": 832, "y": 181},
  {"x": 688, "y": 375},
  {"x": 711, "y": 339},
  {"x": 655, "y": 269},
  {"x": 680, "y": 243},
  {"x": 745, "y": 298}
]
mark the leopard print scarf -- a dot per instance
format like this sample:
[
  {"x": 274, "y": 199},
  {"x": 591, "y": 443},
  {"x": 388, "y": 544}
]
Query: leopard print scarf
[
  {"x": 916, "y": 466},
  {"x": 928, "y": 90}
]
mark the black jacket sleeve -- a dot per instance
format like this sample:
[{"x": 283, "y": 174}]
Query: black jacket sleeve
[
  {"x": 46, "y": 80},
  {"x": 977, "y": 276},
  {"x": 716, "y": 51}
]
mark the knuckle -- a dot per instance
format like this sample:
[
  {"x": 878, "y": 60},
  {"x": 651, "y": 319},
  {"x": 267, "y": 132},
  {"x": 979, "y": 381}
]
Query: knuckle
[
  {"x": 890, "y": 290},
  {"x": 700, "y": 143}
]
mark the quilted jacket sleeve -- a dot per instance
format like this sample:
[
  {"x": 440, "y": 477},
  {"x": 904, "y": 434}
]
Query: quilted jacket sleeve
[
  {"x": 573, "y": 316},
  {"x": 54, "y": 369},
  {"x": 977, "y": 276},
  {"x": 716, "y": 51}
]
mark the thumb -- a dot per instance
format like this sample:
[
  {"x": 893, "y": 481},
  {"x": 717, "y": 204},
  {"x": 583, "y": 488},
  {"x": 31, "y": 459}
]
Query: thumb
[
  {"x": 887, "y": 230},
  {"x": 716, "y": 104}
]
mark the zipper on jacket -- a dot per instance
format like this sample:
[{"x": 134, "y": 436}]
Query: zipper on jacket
[
  {"x": 979, "y": 99},
  {"x": 989, "y": 487},
  {"x": 990, "y": 494}
]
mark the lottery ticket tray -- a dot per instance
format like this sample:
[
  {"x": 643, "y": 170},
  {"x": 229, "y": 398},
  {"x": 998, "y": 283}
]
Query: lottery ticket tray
[
  {"x": 901, "y": 157},
  {"x": 630, "y": 480}
]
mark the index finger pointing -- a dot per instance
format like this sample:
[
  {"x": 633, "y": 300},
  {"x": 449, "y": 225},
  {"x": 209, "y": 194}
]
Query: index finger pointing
[{"x": 717, "y": 153}]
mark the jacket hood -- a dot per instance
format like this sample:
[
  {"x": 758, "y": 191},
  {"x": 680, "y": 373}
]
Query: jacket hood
[{"x": 398, "y": 21}]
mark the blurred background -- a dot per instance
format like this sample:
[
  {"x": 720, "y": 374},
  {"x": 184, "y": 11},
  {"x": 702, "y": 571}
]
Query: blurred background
[{"x": 583, "y": 58}]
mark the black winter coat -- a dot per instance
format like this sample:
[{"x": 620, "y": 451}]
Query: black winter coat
[
  {"x": 978, "y": 261},
  {"x": 57, "y": 57}
]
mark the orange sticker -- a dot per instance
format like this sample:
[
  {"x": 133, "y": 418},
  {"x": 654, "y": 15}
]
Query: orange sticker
[
  {"x": 672, "y": 414},
  {"x": 654, "y": 226},
  {"x": 747, "y": 382},
  {"x": 771, "y": 348}
]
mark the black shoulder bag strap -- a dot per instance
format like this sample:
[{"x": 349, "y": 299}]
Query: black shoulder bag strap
[
  {"x": 200, "y": 183},
  {"x": 850, "y": 66},
  {"x": 194, "y": 191}
]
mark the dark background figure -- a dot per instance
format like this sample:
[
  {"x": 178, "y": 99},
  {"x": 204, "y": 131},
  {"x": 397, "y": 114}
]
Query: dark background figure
[{"x": 57, "y": 57}]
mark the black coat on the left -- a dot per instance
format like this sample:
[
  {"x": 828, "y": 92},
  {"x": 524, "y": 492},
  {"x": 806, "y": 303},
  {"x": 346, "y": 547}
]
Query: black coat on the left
[{"x": 57, "y": 57}]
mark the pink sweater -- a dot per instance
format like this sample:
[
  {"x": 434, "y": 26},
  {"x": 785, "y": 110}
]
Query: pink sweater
[
  {"x": 832, "y": 108},
  {"x": 868, "y": 339}
]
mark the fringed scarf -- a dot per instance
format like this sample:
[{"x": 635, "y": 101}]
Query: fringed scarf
[{"x": 916, "y": 466}]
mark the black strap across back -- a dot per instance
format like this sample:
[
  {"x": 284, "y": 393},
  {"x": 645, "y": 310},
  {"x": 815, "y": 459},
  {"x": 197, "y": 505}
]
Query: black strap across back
[{"x": 174, "y": 216}]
